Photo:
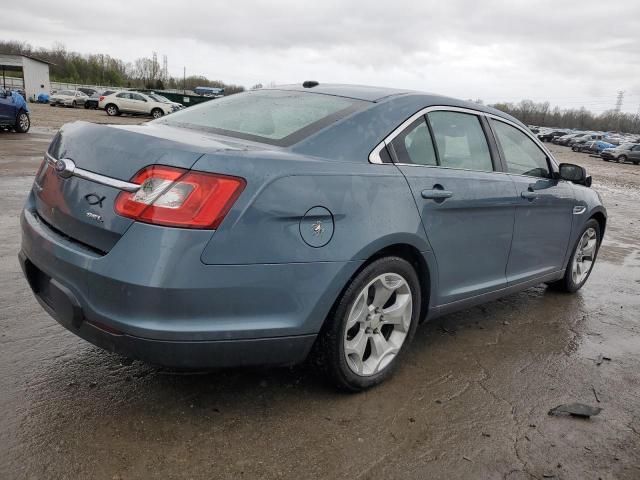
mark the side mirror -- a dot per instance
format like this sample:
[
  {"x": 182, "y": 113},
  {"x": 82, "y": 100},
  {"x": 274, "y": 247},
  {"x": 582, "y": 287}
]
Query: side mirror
[{"x": 574, "y": 173}]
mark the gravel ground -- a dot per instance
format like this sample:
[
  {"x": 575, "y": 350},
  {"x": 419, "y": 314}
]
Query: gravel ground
[{"x": 471, "y": 400}]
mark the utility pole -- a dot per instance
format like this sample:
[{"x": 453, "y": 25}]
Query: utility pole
[
  {"x": 619, "y": 100},
  {"x": 165, "y": 68}
]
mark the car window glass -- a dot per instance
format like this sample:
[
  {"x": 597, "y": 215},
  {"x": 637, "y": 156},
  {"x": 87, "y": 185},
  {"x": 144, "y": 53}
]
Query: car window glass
[
  {"x": 414, "y": 145},
  {"x": 460, "y": 141},
  {"x": 123, "y": 95},
  {"x": 521, "y": 154},
  {"x": 279, "y": 117}
]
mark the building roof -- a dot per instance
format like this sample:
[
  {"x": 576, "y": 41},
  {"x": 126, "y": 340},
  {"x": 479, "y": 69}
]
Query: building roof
[{"x": 3, "y": 54}]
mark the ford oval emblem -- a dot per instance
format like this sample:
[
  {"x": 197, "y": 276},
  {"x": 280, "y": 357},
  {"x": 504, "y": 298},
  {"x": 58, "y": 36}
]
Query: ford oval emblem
[{"x": 64, "y": 167}]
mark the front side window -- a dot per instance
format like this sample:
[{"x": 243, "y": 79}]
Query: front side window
[
  {"x": 460, "y": 141},
  {"x": 522, "y": 155},
  {"x": 414, "y": 145},
  {"x": 279, "y": 117}
]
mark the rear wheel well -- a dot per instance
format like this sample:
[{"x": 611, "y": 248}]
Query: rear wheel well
[
  {"x": 602, "y": 222},
  {"x": 412, "y": 255}
]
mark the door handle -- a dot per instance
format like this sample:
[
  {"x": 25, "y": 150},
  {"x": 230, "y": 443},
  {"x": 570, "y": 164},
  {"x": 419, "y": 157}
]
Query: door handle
[
  {"x": 531, "y": 196},
  {"x": 436, "y": 194}
]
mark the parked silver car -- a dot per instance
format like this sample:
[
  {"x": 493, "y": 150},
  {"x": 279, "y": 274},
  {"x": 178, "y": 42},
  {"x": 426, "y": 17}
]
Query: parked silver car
[{"x": 68, "y": 98}]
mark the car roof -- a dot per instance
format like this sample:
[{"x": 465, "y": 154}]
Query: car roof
[
  {"x": 357, "y": 92},
  {"x": 386, "y": 94}
]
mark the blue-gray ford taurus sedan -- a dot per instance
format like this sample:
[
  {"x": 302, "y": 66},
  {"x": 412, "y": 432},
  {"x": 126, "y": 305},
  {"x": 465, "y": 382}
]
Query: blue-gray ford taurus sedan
[{"x": 256, "y": 228}]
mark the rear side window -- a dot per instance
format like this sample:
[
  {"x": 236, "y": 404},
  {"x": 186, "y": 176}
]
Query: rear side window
[
  {"x": 414, "y": 145},
  {"x": 278, "y": 117},
  {"x": 521, "y": 154},
  {"x": 123, "y": 95},
  {"x": 460, "y": 141}
]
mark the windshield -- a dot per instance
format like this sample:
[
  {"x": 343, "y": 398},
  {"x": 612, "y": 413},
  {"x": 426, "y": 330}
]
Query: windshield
[
  {"x": 67, "y": 92},
  {"x": 278, "y": 117}
]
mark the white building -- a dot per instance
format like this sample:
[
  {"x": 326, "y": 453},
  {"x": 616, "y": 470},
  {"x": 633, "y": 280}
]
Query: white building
[{"x": 35, "y": 73}]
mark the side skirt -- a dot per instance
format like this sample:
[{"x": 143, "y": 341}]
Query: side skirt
[{"x": 438, "y": 311}]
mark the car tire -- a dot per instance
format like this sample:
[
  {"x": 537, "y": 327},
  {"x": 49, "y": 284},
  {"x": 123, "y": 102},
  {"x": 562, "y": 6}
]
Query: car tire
[
  {"x": 357, "y": 315},
  {"x": 157, "y": 113},
  {"x": 52, "y": 104},
  {"x": 86, "y": 106},
  {"x": 575, "y": 275},
  {"x": 23, "y": 122},
  {"x": 74, "y": 104},
  {"x": 622, "y": 159},
  {"x": 112, "y": 110},
  {"x": 575, "y": 149}
]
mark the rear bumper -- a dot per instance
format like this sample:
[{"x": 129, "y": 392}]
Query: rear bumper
[
  {"x": 153, "y": 299},
  {"x": 66, "y": 309}
]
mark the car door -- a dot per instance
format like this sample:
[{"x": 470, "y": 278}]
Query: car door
[
  {"x": 7, "y": 109},
  {"x": 544, "y": 205},
  {"x": 139, "y": 103},
  {"x": 634, "y": 154},
  {"x": 466, "y": 207},
  {"x": 124, "y": 102}
]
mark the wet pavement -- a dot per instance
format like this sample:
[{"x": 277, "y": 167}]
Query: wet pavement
[{"x": 471, "y": 400}]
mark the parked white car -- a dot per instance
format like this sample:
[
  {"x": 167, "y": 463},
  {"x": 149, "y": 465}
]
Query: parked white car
[
  {"x": 135, "y": 103},
  {"x": 68, "y": 98}
]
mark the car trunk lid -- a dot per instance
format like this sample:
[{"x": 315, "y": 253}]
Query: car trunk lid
[{"x": 83, "y": 209}]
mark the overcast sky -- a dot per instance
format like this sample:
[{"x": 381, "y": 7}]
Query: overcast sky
[{"x": 569, "y": 52}]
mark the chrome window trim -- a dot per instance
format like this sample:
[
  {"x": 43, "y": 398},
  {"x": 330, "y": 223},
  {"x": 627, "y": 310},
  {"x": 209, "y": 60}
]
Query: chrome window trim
[
  {"x": 374, "y": 156},
  {"x": 94, "y": 177}
]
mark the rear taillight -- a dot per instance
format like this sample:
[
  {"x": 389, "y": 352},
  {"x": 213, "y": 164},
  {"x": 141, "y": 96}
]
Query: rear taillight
[
  {"x": 101, "y": 98},
  {"x": 180, "y": 198}
]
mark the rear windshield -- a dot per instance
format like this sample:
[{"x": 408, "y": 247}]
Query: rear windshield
[{"x": 277, "y": 117}]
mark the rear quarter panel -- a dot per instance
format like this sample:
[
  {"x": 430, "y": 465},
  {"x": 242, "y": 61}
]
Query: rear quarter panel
[{"x": 371, "y": 205}]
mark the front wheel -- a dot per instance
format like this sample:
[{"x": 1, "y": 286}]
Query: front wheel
[
  {"x": 622, "y": 159},
  {"x": 157, "y": 113},
  {"x": 23, "y": 123},
  {"x": 86, "y": 106},
  {"x": 371, "y": 326},
  {"x": 582, "y": 260}
]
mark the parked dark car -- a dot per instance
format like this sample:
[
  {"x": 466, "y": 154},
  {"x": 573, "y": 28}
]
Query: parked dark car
[
  {"x": 262, "y": 226},
  {"x": 87, "y": 91},
  {"x": 623, "y": 153},
  {"x": 565, "y": 139},
  {"x": 14, "y": 112},
  {"x": 548, "y": 136},
  {"x": 93, "y": 100}
]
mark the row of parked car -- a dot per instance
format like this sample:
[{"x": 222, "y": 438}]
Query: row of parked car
[
  {"x": 116, "y": 102},
  {"x": 609, "y": 146}
]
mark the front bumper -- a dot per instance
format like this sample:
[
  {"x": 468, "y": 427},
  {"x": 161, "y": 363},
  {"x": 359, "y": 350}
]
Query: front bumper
[{"x": 153, "y": 299}]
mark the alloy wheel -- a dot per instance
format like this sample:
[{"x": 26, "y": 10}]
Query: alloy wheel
[
  {"x": 378, "y": 324},
  {"x": 584, "y": 256},
  {"x": 23, "y": 121}
]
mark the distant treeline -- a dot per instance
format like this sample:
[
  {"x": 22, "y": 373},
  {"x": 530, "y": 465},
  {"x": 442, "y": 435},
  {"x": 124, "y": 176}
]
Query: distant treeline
[
  {"x": 99, "y": 69},
  {"x": 541, "y": 114}
]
